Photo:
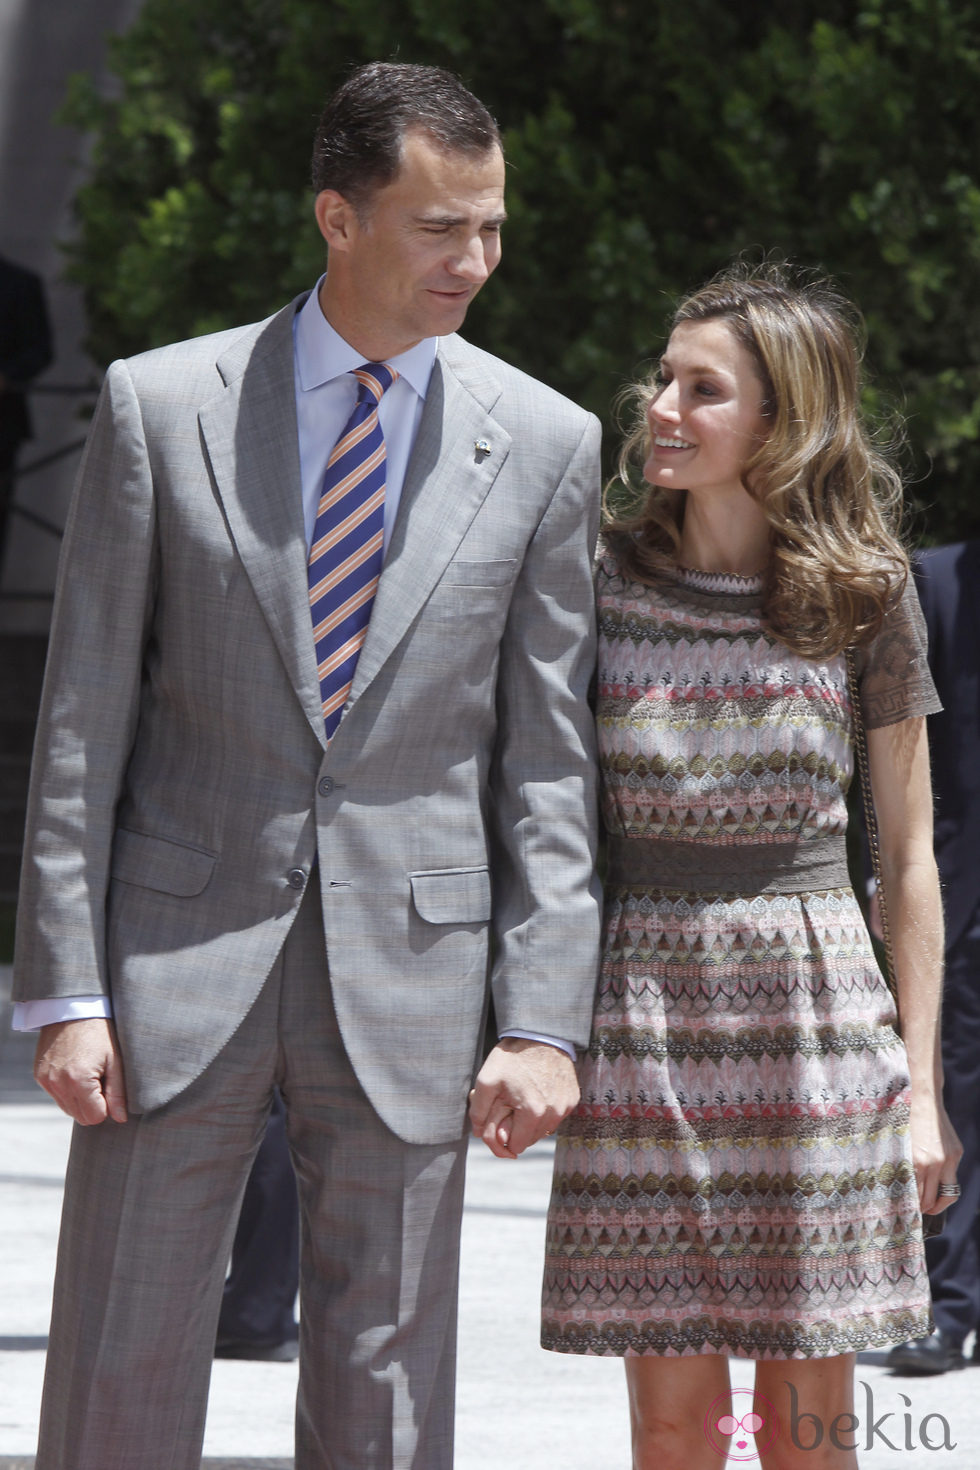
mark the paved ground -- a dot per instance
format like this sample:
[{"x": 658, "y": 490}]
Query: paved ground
[{"x": 519, "y": 1408}]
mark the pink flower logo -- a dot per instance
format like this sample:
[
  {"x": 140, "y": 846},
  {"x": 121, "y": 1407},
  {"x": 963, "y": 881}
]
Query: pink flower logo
[{"x": 740, "y": 1423}]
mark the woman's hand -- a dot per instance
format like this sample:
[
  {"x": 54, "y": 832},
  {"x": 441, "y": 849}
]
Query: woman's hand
[
  {"x": 898, "y": 756},
  {"x": 936, "y": 1152}
]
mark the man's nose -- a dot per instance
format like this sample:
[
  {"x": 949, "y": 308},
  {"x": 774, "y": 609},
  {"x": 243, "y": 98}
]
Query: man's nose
[{"x": 471, "y": 262}]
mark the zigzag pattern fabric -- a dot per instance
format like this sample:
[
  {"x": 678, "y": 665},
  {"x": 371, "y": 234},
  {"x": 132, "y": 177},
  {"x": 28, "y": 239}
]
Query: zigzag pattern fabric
[
  {"x": 348, "y": 543},
  {"x": 736, "y": 1178}
]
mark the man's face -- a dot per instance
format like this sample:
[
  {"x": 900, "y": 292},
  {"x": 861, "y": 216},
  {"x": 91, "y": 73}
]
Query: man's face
[{"x": 411, "y": 263}]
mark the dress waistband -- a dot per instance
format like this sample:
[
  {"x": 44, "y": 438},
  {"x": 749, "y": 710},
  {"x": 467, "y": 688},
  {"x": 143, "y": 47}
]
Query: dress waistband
[{"x": 811, "y": 866}]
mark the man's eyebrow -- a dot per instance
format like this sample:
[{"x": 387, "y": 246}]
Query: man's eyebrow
[{"x": 459, "y": 219}]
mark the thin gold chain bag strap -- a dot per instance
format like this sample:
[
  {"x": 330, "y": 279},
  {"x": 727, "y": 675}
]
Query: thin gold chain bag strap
[
  {"x": 870, "y": 819},
  {"x": 931, "y": 1224}
]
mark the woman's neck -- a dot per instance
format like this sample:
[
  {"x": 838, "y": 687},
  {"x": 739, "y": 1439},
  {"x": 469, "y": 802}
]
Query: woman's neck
[{"x": 729, "y": 536}]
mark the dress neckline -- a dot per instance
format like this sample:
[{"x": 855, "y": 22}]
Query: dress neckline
[{"x": 729, "y": 582}]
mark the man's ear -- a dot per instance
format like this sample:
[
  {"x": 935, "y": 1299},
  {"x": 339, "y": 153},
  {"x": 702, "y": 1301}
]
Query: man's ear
[{"x": 335, "y": 218}]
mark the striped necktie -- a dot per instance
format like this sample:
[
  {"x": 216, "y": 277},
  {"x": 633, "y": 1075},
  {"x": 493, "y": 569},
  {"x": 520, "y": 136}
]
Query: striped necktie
[{"x": 348, "y": 541}]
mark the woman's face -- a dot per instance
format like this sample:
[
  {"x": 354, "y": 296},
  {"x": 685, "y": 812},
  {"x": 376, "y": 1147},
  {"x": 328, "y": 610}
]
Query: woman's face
[{"x": 706, "y": 417}]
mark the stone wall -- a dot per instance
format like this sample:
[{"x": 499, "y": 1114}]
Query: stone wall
[{"x": 42, "y": 42}]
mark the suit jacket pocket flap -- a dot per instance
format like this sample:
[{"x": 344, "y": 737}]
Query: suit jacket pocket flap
[
  {"x": 452, "y": 895},
  {"x": 460, "y": 573},
  {"x": 156, "y": 862}
]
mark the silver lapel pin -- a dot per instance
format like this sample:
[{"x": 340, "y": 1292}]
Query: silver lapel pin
[{"x": 483, "y": 446}]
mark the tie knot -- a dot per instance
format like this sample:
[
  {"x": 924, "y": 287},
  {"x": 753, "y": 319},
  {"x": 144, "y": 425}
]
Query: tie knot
[{"x": 374, "y": 378}]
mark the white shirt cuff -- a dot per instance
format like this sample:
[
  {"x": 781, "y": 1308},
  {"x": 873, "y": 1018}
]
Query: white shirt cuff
[
  {"x": 568, "y": 1047},
  {"x": 31, "y": 1015}
]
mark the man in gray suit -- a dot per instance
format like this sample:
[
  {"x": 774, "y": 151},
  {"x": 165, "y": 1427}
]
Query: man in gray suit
[{"x": 222, "y": 894}]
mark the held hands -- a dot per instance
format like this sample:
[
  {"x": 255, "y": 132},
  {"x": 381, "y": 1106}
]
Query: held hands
[
  {"x": 523, "y": 1091},
  {"x": 79, "y": 1064}
]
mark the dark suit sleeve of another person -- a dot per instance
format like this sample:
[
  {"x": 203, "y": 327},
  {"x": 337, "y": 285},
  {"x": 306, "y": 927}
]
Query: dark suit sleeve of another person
[
  {"x": 948, "y": 582},
  {"x": 25, "y": 333},
  {"x": 25, "y": 350}
]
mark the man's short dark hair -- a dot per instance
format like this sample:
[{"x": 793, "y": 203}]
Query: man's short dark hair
[{"x": 358, "y": 142}]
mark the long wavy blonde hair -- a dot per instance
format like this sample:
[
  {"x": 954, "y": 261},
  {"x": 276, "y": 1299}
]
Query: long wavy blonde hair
[{"x": 831, "y": 498}]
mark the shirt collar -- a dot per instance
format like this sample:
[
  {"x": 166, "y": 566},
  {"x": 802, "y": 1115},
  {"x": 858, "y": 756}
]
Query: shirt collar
[{"x": 322, "y": 354}]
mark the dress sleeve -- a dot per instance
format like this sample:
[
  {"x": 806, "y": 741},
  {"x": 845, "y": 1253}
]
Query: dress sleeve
[
  {"x": 604, "y": 563},
  {"x": 608, "y": 572},
  {"x": 893, "y": 673}
]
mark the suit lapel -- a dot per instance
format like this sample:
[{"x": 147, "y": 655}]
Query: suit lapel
[
  {"x": 447, "y": 481},
  {"x": 251, "y": 436},
  {"x": 967, "y": 614}
]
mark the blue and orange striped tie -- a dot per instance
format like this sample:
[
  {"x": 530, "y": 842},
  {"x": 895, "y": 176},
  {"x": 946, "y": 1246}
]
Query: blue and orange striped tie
[{"x": 348, "y": 543}]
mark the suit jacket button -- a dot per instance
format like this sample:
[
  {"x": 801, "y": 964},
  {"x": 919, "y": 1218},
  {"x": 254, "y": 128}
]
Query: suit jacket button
[
  {"x": 326, "y": 786},
  {"x": 296, "y": 878}
]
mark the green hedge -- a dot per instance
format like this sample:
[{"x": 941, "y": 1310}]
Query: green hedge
[{"x": 647, "y": 145}]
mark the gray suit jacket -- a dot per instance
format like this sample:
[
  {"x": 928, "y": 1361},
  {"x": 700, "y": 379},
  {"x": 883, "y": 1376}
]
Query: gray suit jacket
[{"x": 182, "y": 792}]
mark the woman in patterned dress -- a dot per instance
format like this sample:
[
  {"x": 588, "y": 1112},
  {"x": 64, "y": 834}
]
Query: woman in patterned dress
[{"x": 744, "y": 1174}]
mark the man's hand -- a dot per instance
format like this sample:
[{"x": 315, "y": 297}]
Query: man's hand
[
  {"x": 523, "y": 1091},
  {"x": 79, "y": 1064}
]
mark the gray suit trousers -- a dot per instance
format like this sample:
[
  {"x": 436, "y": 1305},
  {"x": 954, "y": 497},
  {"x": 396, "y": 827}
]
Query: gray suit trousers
[{"x": 150, "y": 1211}]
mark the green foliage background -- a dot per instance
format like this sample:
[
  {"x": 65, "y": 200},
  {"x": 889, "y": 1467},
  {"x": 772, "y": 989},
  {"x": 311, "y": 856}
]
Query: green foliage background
[{"x": 647, "y": 144}]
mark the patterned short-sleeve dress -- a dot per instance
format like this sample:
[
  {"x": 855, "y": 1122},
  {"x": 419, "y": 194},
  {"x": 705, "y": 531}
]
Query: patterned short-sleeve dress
[{"x": 737, "y": 1176}]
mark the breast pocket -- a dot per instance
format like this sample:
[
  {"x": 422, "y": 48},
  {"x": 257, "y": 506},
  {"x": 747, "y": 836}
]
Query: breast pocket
[{"x": 480, "y": 573}]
